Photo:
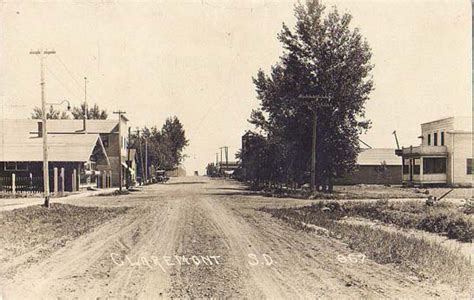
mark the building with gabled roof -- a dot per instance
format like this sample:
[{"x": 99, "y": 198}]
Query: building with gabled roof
[
  {"x": 86, "y": 157},
  {"x": 375, "y": 166}
]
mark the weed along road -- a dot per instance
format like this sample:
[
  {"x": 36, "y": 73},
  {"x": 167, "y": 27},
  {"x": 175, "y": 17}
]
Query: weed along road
[{"x": 191, "y": 237}]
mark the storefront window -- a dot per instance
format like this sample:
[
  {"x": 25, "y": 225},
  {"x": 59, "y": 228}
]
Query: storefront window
[
  {"x": 432, "y": 165},
  {"x": 416, "y": 166},
  {"x": 406, "y": 166}
]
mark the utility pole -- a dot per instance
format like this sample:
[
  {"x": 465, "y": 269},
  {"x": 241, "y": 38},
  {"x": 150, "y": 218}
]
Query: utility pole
[
  {"x": 221, "y": 155},
  {"x": 314, "y": 108},
  {"x": 42, "y": 54},
  {"x": 146, "y": 160},
  {"x": 226, "y": 149},
  {"x": 85, "y": 105},
  {"x": 217, "y": 159},
  {"x": 120, "y": 113},
  {"x": 396, "y": 139},
  {"x": 141, "y": 153},
  {"x": 129, "y": 160}
]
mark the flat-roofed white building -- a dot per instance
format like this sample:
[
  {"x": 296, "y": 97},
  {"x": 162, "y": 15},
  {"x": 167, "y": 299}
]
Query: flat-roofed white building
[{"x": 444, "y": 156}]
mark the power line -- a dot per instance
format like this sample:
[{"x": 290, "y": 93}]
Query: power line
[
  {"x": 69, "y": 71},
  {"x": 75, "y": 96}
]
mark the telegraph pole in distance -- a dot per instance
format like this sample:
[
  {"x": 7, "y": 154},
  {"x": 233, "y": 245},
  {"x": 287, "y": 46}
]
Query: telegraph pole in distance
[
  {"x": 85, "y": 105},
  {"x": 120, "y": 113},
  {"x": 314, "y": 108},
  {"x": 221, "y": 155},
  {"x": 226, "y": 149},
  {"x": 141, "y": 154},
  {"x": 129, "y": 160},
  {"x": 146, "y": 160},
  {"x": 42, "y": 55}
]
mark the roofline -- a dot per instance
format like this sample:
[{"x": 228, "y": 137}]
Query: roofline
[
  {"x": 459, "y": 132},
  {"x": 442, "y": 119},
  {"x": 103, "y": 150},
  {"x": 437, "y": 120}
]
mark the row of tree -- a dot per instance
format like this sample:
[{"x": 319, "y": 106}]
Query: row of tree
[
  {"x": 77, "y": 112},
  {"x": 164, "y": 146},
  {"x": 323, "y": 58}
]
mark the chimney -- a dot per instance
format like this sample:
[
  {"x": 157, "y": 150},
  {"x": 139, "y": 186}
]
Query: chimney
[{"x": 40, "y": 128}]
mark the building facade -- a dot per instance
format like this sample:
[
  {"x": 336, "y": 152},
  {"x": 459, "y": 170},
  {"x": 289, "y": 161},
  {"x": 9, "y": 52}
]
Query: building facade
[
  {"x": 375, "y": 166},
  {"x": 87, "y": 152},
  {"x": 444, "y": 156}
]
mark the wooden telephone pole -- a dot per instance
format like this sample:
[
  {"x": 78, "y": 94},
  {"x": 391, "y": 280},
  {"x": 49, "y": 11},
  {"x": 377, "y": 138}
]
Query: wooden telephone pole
[
  {"x": 85, "y": 106},
  {"x": 42, "y": 55},
  {"x": 120, "y": 113},
  {"x": 314, "y": 108},
  {"x": 129, "y": 160}
]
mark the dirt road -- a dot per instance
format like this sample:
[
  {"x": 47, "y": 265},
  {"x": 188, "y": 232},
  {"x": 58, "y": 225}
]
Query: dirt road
[{"x": 196, "y": 237}]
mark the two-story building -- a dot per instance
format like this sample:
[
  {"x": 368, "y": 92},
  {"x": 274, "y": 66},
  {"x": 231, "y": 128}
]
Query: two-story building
[
  {"x": 444, "y": 156},
  {"x": 81, "y": 154}
]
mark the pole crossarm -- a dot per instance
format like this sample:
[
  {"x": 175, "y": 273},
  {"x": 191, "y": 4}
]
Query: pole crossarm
[
  {"x": 42, "y": 55},
  {"x": 120, "y": 113},
  {"x": 313, "y": 107}
]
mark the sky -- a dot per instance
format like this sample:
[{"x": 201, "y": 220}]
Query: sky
[{"x": 196, "y": 59}]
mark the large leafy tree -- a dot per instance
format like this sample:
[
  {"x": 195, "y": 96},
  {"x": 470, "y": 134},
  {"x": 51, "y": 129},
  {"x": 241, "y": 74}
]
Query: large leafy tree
[
  {"x": 323, "y": 56},
  {"x": 165, "y": 146}
]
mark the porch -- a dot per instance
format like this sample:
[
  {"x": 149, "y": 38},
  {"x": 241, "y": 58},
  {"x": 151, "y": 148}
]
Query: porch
[{"x": 425, "y": 165}]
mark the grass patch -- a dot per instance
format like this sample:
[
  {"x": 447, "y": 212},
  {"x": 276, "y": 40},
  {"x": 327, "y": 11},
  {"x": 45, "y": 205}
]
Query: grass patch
[
  {"x": 425, "y": 259},
  {"x": 36, "y": 227},
  {"x": 443, "y": 218},
  {"x": 342, "y": 192}
]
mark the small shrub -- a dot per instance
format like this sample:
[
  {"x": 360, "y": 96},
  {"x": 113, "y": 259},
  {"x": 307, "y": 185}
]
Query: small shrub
[{"x": 461, "y": 230}]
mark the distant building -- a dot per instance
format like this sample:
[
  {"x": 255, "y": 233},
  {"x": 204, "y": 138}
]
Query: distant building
[
  {"x": 375, "y": 166},
  {"x": 227, "y": 168},
  {"x": 444, "y": 156}
]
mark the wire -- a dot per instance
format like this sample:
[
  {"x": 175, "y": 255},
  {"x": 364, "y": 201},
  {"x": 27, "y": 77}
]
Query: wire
[
  {"x": 61, "y": 82},
  {"x": 69, "y": 71}
]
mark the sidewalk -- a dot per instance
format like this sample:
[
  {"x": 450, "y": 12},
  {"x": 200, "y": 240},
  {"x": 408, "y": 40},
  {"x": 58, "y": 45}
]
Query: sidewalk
[{"x": 14, "y": 203}]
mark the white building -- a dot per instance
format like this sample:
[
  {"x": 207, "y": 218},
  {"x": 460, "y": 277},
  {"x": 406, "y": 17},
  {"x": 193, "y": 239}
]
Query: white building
[{"x": 444, "y": 156}]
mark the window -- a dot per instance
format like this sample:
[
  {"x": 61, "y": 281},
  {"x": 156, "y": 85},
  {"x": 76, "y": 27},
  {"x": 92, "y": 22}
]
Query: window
[
  {"x": 442, "y": 138},
  {"x": 470, "y": 165},
  {"x": 10, "y": 166},
  {"x": 16, "y": 166},
  {"x": 416, "y": 166},
  {"x": 406, "y": 166},
  {"x": 105, "y": 141},
  {"x": 429, "y": 139},
  {"x": 435, "y": 139},
  {"x": 434, "y": 165}
]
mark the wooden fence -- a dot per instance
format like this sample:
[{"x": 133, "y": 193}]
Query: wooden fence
[{"x": 14, "y": 183}]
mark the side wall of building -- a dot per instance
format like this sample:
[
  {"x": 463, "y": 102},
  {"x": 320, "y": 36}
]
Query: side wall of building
[
  {"x": 458, "y": 160},
  {"x": 438, "y": 127},
  {"x": 368, "y": 174}
]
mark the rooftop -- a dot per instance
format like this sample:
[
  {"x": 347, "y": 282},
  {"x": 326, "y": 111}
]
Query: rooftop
[{"x": 375, "y": 156}]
